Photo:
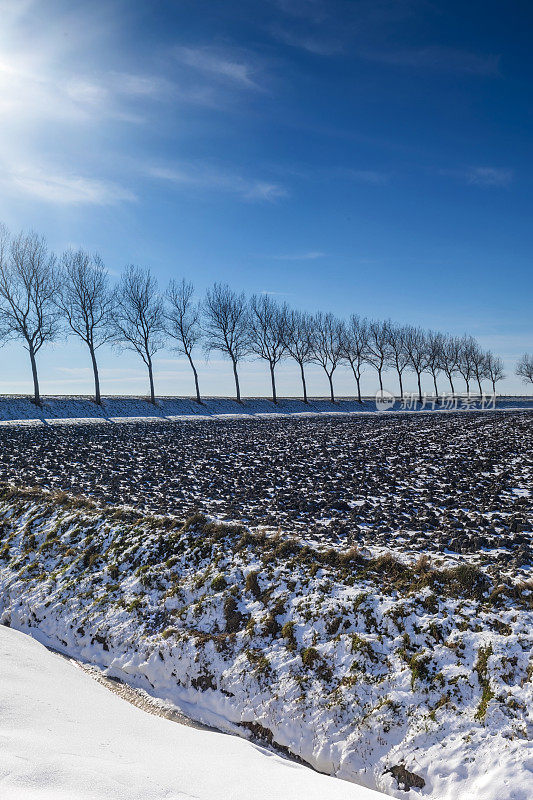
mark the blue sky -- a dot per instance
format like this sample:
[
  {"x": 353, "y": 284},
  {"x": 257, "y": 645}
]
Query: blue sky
[{"x": 367, "y": 156}]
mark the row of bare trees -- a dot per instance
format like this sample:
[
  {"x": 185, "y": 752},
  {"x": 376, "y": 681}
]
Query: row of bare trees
[{"x": 41, "y": 296}]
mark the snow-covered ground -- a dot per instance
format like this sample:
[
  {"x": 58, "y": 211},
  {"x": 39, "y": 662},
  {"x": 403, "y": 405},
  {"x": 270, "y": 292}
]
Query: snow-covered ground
[
  {"x": 407, "y": 679},
  {"x": 18, "y": 408},
  {"x": 452, "y": 486},
  {"x": 63, "y": 736}
]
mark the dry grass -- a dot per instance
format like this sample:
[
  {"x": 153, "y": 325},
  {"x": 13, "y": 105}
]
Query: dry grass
[{"x": 208, "y": 537}]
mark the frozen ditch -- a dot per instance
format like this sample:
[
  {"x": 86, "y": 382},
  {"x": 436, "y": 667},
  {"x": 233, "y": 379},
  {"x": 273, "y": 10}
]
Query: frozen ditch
[{"x": 404, "y": 678}]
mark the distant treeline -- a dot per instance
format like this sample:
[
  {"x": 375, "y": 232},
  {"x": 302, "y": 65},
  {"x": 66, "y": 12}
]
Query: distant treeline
[{"x": 42, "y": 296}]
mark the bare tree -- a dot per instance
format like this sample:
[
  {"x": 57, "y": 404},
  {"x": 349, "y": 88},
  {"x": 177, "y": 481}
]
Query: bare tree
[
  {"x": 266, "y": 333},
  {"x": 138, "y": 318},
  {"x": 86, "y": 301},
  {"x": 226, "y": 326},
  {"x": 494, "y": 369},
  {"x": 298, "y": 338},
  {"x": 355, "y": 348},
  {"x": 417, "y": 350},
  {"x": 328, "y": 345},
  {"x": 479, "y": 365},
  {"x": 450, "y": 355},
  {"x": 398, "y": 356},
  {"x": 524, "y": 368},
  {"x": 467, "y": 355},
  {"x": 435, "y": 346},
  {"x": 182, "y": 323},
  {"x": 28, "y": 285},
  {"x": 378, "y": 347}
]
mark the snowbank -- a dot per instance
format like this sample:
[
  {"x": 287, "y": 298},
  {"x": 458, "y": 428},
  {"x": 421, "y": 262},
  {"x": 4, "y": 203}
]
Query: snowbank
[
  {"x": 63, "y": 735},
  {"x": 118, "y": 409},
  {"x": 392, "y": 676}
]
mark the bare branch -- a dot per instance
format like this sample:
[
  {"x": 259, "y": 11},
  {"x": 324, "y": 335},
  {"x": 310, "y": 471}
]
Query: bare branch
[
  {"x": 182, "y": 323},
  {"x": 435, "y": 349},
  {"x": 494, "y": 370},
  {"x": 28, "y": 286},
  {"x": 226, "y": 326},
  {"x": 87, "y": 302},
  {"x": 450, "y": 356},
  {"x": 355, "y": 348},
  {"x": 468, "y": 353},
  {"x": 266, "y": 333},
  {"x": 378, "y": 347},
  {"x": 328, "y": 337},
  {"x": 417, "y": 349},
  {"x": 138, "y": 320},
  {"x": 398, "y": 357},
  {"x": 298, "y": 338},
  {"x": 524, "y": 368}
]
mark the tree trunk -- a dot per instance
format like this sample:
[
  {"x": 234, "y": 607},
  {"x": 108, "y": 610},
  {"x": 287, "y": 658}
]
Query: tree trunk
[
  {"x": 493, "y": 387},
  {"x": 36, "y": 394},
  {"x": 331, "y": 394},
  {"x": 401, "y": 383},
  {"x": 196, "y": 384},
  {"x": 419, "y": 388},
  {"x": 380, "y": 380},
  {"x": 97, "y": 397},
  {"x": 435, "y": 385},
  {"x": 304, "y": 387},
  {"x": 151, "y": 376},
  {"x": 451, "y": 383},
  {"x": 480, "y": 388},
  {"x": 467, "y": 387},
  {"x": 236, "y": 376},
  {"x": 273, "y": 381},
  {"x": 358, "y": 382}
]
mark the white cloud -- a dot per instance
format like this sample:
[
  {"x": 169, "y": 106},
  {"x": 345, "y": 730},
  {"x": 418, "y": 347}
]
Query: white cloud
[
  {"x": 480, "y": 176},
  {"x": 38, "y": 92},
  {"x": 489, "y": 176},
  {"x": 61, "y": 94},
  {"x": 109, "y": 94},
  {"x": 85, "y": 92},
  {"x": 68, "y": 87},
  {"x": 217, "y": 64},
  {"x": 436, "y": 58},
  {"x": 138, "y": 85},
  {"x": 63, "y": 189},
  {"x": 262, "y": 190},
  {"x": 310, "y": 255},
  {"x": 312, "y": 44},
  {"x": 207, "y": 177},
  {"x": 368, "y": 176}
]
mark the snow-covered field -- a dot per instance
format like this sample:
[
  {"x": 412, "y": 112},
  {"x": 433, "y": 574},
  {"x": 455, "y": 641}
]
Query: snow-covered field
[
  {"x": 19, "y": 408},
  {"x": 405, "y": 678},
  {"x": 454, "y": 486},
  {"x": 65, "y": 737}
]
